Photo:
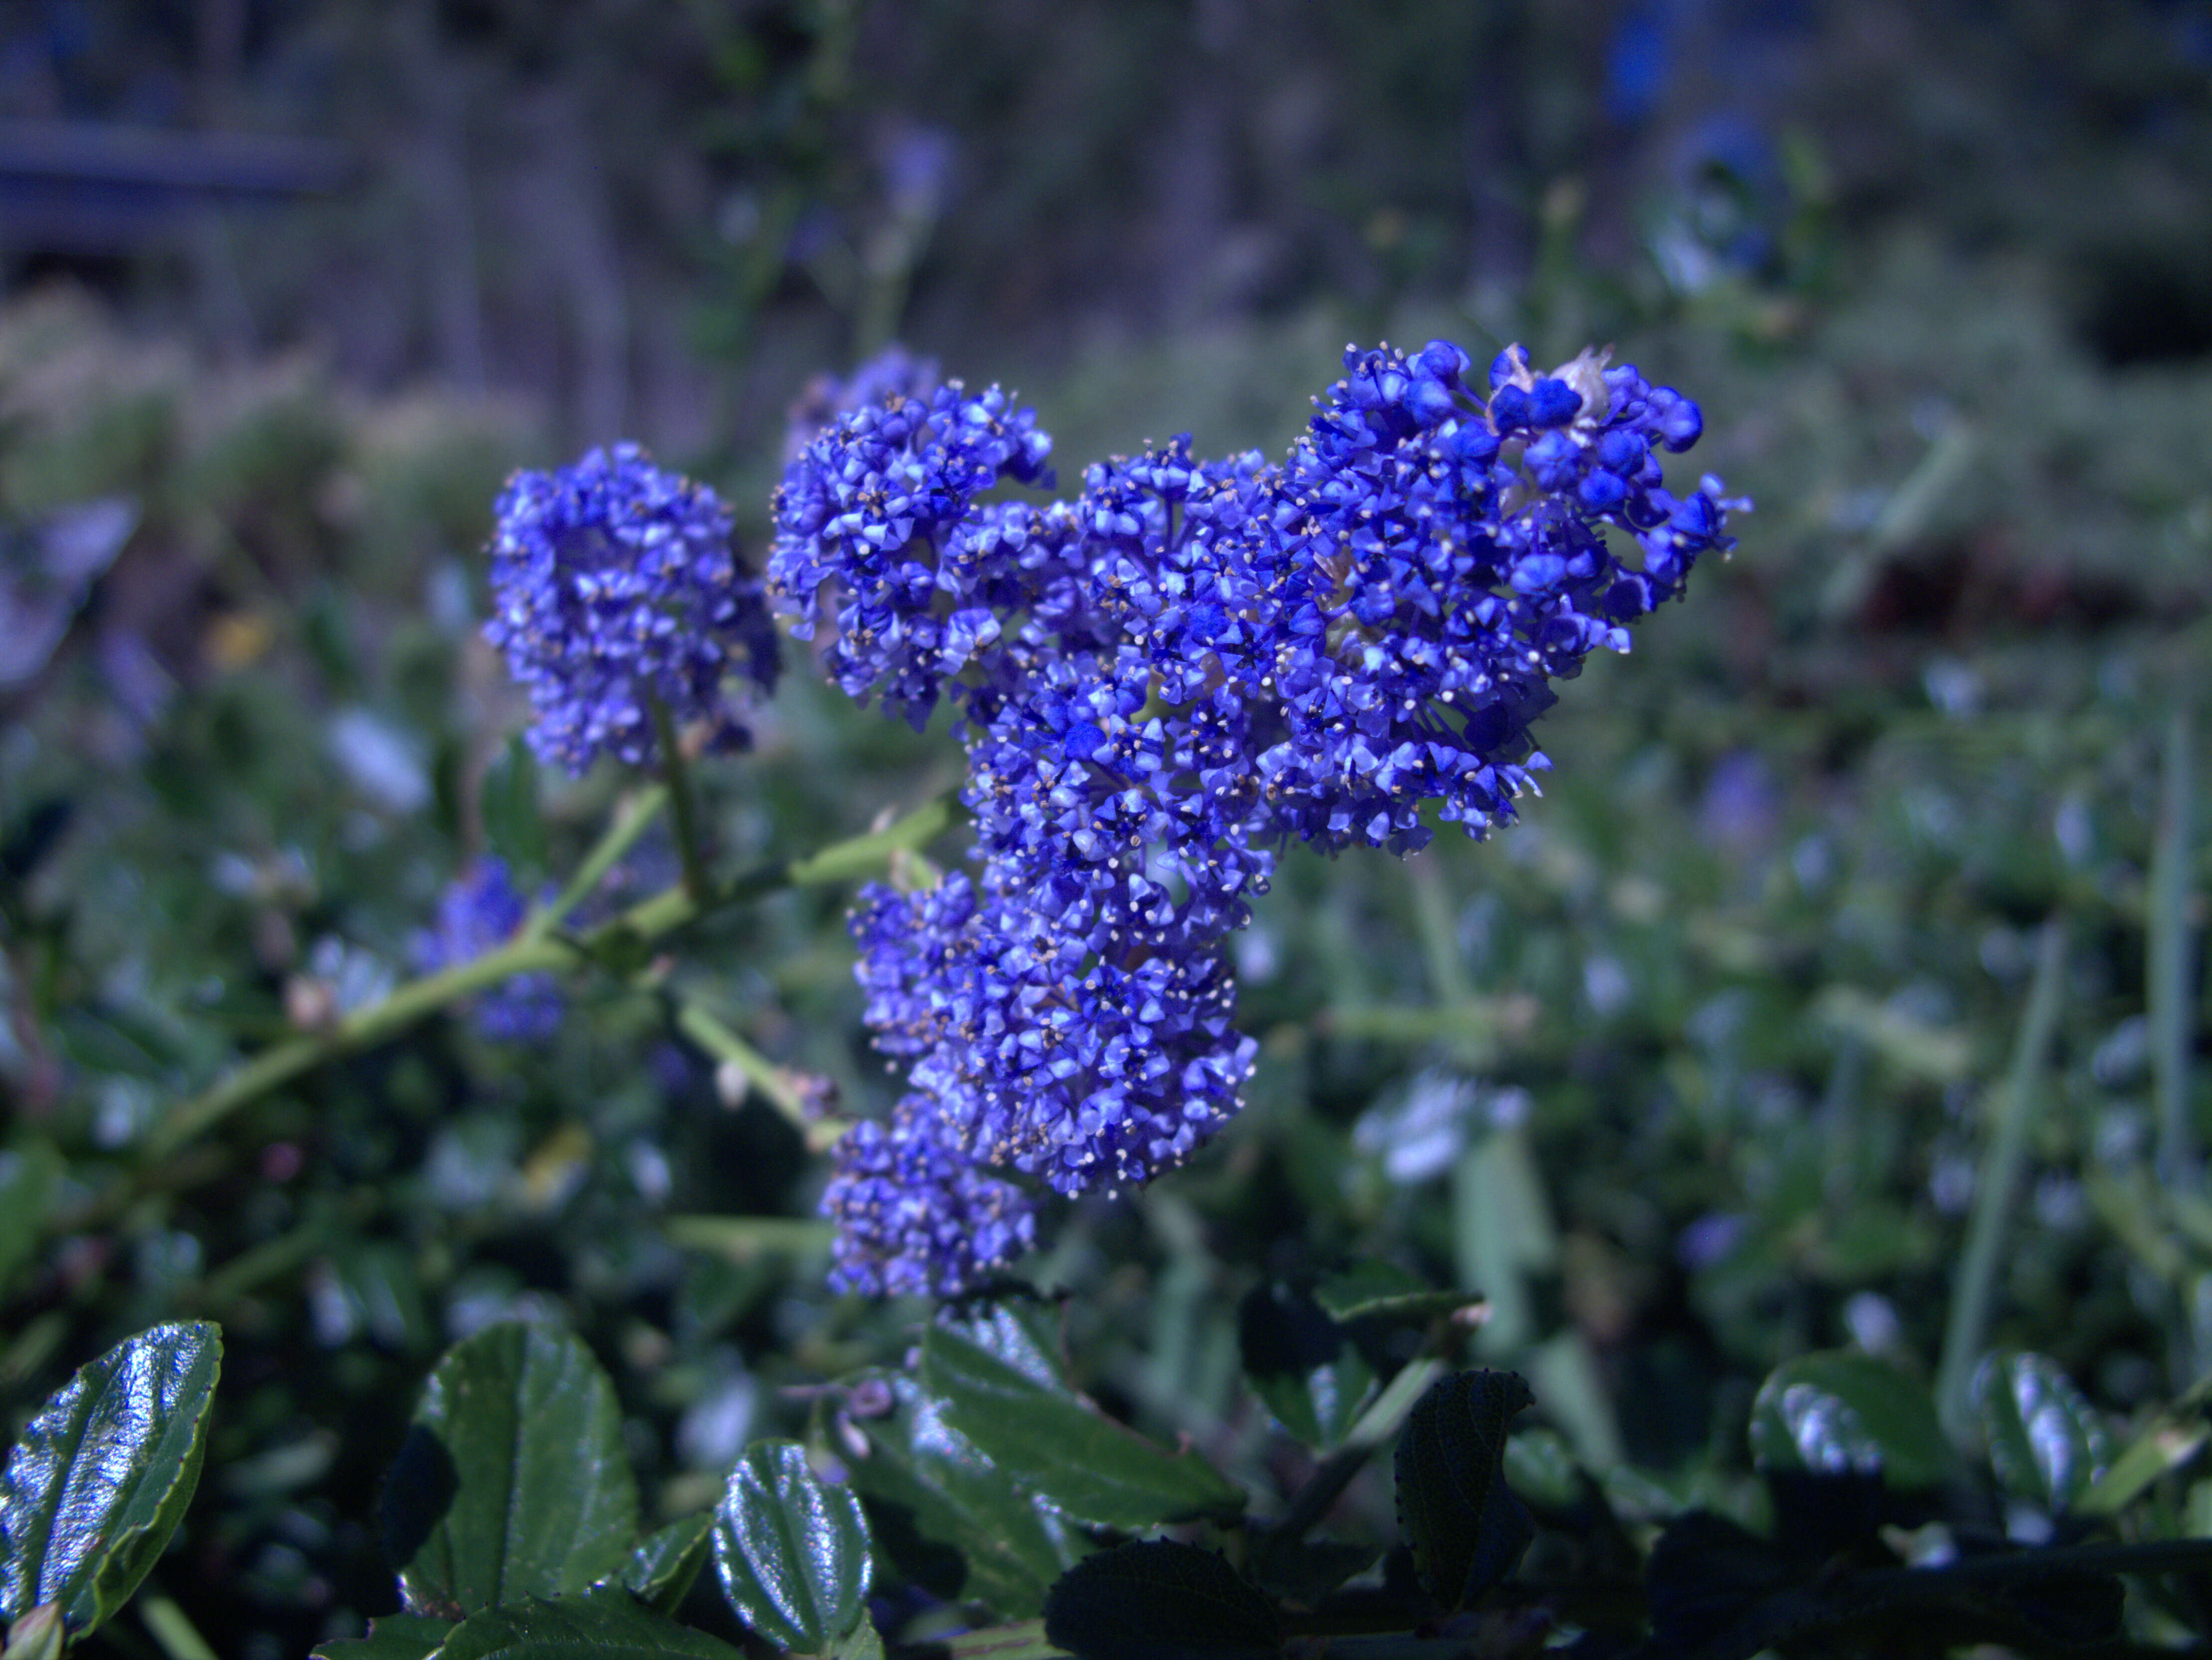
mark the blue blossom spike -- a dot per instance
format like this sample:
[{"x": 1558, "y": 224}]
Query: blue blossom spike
[
  {"x": 915, "y": 1215},
  {"x": 1161, "y": 683},
  {"x": 613, "y": 583},
  {"x": 480, "y": 911}
]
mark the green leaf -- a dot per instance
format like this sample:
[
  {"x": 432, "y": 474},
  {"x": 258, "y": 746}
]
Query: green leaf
[
  {"x": 1055, "y": 1445},
  {"x": 391, "y": 1637},
  {"x": 27, "y": 1174},
  {"x": 660, "y": 1570},
  {"x": 511, "y": 1482},
  {"x": 1302, "y": 1365},
  {"x": 602, "y": 1625},
  {"x": 1541, "y": 1466},
  {"x": 1377, "y": 1289},
  {"x": 1839, "y": 1411},
  {"x": 951, "y": 1518},
  {"x": 513, "y": 823},
  {"x": 1464, "y": 1525},
  {"x": 102, "y": 1476},
  {"x": 1022, "y": 1331},
  {"x": 1159, "y": 1600},
  {"x": 793, "y": 1550},
  {"x": 2047, "y": 1444}
]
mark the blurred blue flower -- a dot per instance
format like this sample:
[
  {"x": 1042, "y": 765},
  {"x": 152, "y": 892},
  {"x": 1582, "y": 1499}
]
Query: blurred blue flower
[
  {"x": 615, "y": 583},
  {"x": 480, "y": 911}
]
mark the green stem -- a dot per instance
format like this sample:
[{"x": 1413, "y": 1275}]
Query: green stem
[
  {"x": 170, "y": 1626},
  {"x": 1974, "y": 1291},
  {"x": 417, "y": 1000},
  {"x": 680, "y": 798},
  {"x": 632, "y": 819},
  {"x": 1377, "y": 1425},
  {"x": 742, "y": 1238},
  {"x": 772, "y": 1082}
]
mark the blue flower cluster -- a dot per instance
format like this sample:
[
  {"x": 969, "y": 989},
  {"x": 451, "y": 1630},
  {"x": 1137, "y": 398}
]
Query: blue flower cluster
[
  {"x": 615, "y": 584},
  {"x": 478, "y": 912},
  {"x": 1160, "y": 683}
]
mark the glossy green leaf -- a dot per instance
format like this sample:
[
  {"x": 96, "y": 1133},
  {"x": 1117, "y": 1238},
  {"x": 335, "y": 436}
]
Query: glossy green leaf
[
  {"x": 662, "y": 1567},
  {"x": 1022, "y": 1331},
  {"x": 793, "y": 1550},
  {"x": 1301, "y": 1365},
  {"x": 951, "y": 1518},
  {"x": 1464, "y": 1525},
  {"x": 1056, "y": 1445},
  {"x": 513, "y": 1480},
  {"x": 102, "y": 1476},
  {"x": 605, "y": 1624},
  {"x": 1840, "y": 1410},
  {"x": 1159, "y": 1600},
  {"x": 2047, "y": 1444},
  {"x": 392, "y": 1637},
  {"x": 27, "y": 1174},
  {"x": 1377, "y": 1289}
]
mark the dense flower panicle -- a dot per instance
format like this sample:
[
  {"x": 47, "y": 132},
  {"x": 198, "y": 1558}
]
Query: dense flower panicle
[
  {"x": 1159, "y": 684},
  {"x": 478, "y": 912},
  {"x": 615, "y": 584},
  {"x": 916, "y": 1218}
]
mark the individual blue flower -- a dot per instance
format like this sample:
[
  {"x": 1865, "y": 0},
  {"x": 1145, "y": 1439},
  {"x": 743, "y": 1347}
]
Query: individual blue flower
[
  {"x": 615, "y": 585},
  {"x": 478, "y": 912}
]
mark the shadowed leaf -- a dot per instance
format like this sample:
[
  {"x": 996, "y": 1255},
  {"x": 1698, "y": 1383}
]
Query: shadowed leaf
[
  {"x": 1466, "y": 1528},
  {"x": 1159, "y": 1600}
]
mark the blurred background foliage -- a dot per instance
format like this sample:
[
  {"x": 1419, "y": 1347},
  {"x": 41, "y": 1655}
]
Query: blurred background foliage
[{"x": 1691, "y": 1073}]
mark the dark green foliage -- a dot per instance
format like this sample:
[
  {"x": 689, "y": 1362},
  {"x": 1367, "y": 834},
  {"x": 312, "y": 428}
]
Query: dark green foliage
[
  {"x": 1466, "y": 1528},
  {"x": 1052, "y": 1445},
  {"x": 1159, "y": 1600}
]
